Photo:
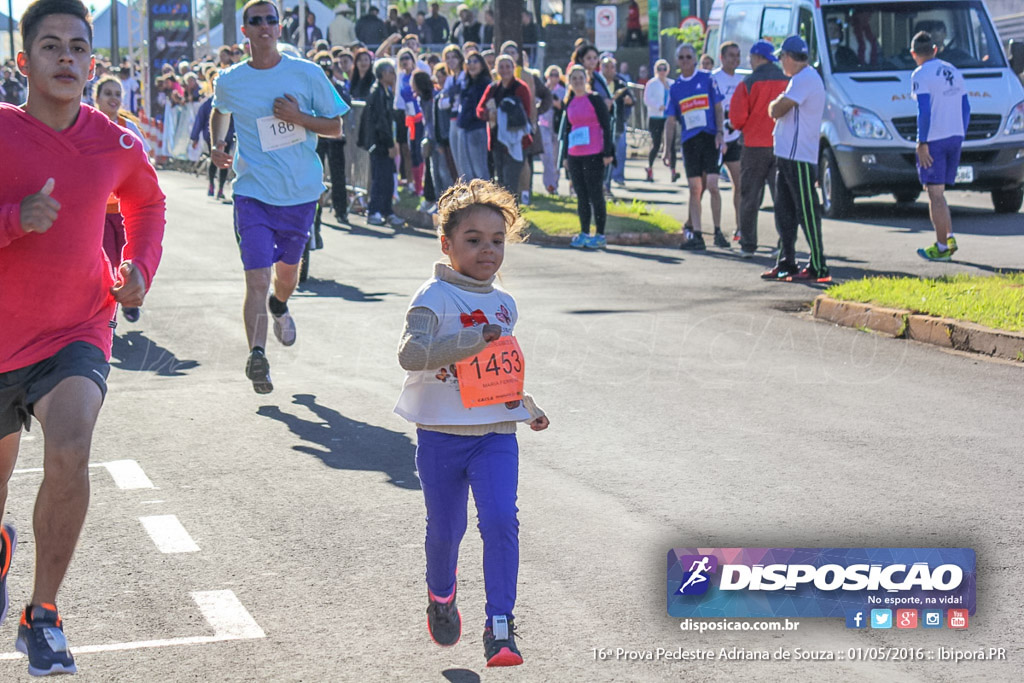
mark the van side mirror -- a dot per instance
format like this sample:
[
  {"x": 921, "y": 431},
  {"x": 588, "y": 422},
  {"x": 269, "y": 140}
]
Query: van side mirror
[{"x": 1017, "y": 56}]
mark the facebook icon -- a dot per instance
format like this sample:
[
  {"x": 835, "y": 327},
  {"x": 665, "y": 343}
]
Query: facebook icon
[{"x": 856, "y": 619}]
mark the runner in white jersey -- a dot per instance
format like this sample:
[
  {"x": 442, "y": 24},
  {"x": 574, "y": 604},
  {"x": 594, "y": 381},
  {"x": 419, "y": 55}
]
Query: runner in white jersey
[
  {"x": 943, "y": 112},
  {"x": 727, "y": 81}
]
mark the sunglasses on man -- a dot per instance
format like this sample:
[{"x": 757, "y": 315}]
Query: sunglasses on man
[{"x": 260, "y": 20}]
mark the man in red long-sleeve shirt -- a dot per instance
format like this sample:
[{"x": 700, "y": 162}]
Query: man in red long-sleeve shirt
[
  {"x": 60, "y": 293},
  {"x": 748, "y": 113}
]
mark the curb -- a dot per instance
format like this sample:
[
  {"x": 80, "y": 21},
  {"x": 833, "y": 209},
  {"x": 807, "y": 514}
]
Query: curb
[{"x": 903, "y": 324}]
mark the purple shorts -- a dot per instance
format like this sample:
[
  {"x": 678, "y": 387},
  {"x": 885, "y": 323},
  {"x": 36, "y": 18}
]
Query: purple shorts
[
  {"x": 268, "y": 234},
  {"x": 945, "y": 158}
]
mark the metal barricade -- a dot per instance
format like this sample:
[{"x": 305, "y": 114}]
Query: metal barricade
[
  {"x": 638, "y": 135},
  {"x": 357, "y": 159}
]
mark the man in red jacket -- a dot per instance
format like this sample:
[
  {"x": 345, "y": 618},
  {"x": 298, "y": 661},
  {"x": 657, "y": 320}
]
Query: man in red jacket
[
  {"x": 60, "y": 293},
  {"x": 749, "y": 113}
]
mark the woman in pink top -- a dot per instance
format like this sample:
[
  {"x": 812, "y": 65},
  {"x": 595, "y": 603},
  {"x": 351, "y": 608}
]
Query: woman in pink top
[{"x": 587, "y": 148}]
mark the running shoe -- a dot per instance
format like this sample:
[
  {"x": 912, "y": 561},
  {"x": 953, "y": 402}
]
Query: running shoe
[
  {"x": 932, "y": 253},
  {"x": 257, "y": 369},
  {"x": 951, "y": 245},
  {"x": 209, "y": 190},
  {"x": 443, "y": 621},
  {"x": 41, "y": 639},
  {"x": 284, "y": 328},
  {"x": 597, "y": 242},
  {"x": 500, "y": 643},
  {"x": 650, "y": 175},
  {"x": 551, "y": 189},
  {"x": 341, "y": 218},
  {"x": 781, "y": 272},
  {"x": 675, "y": 176},
  {"x": 808, "y": 274},
  {"x": 396, "y": 221},
  {"x": 580, "y": 240},
  {"x": 720, "y": 240},
  {"x": 131, "y": 313},
  {"x": 375, "y": 219},
  {"x": 8, "y": 542},
  {"x": 736, "y": 235},
  {"x": 620, "y": 183},
  {"x": 220, "y": 195},
  {"x": 694, "y": 243},
  {"x": 747, "y": 254}
]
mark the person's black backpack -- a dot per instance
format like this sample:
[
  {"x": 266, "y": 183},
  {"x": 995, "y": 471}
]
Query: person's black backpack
[{"x": 515, "y": 115}]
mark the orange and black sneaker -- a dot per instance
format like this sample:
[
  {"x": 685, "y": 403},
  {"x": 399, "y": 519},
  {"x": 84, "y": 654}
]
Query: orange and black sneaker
[
  {"x": 500, "y": 643},
  {"x": 41, "y": 639},
  {"x": 8, "y": 542}
]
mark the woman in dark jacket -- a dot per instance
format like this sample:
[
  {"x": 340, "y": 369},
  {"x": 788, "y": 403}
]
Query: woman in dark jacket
[
  {"x": 362, "y": 75},
  {"x": 471, "y": 161},
  {"x": 505, "y": 139},
  {"x": 587, "y": 147}
]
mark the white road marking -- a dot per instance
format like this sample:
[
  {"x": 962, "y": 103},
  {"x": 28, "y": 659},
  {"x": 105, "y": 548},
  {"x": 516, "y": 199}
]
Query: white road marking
[
  {"x": 168, "y": 534},
  {"x": 223, "y": 611},
  {"x": 128, "y": 474},
  {"x": 226, "y": 615}
]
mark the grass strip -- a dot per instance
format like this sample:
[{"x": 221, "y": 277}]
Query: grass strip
[
  {"x": 556, "y": 215},
  {"x": 995, "y": 301}
]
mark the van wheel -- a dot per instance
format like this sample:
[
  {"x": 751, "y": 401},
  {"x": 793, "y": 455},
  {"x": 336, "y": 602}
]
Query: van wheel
[
  {"x": 1008, "y": 201},
  {"x": 906, "y": 196},
  {"x": 837, "y": 201}
]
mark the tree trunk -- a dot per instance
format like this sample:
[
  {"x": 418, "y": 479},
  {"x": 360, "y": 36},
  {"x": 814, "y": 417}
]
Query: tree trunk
[{"x": 508, "y": 22}]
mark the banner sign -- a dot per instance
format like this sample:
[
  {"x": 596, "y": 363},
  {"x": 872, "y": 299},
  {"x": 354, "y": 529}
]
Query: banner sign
[
  {"x": 818, "y": 582},
  {"x": 171, "y": 39}
]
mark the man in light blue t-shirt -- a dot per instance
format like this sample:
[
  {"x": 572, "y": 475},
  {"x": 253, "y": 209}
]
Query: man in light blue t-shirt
[{"x": 280, "y": 105}]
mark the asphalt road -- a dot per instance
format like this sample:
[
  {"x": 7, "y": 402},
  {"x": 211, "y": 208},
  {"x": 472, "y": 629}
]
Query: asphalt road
[{"x": 691, "y": 404}]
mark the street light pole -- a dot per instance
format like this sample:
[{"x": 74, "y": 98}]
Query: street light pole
[
  {"x": 115, "y": 48},
  {"x": 10, "y": 24}
]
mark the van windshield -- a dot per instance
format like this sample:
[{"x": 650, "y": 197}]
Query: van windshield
[{"x": 877, "y": 37}]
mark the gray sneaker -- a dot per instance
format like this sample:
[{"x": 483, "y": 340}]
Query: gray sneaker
[{"x": 284, "y": 328}]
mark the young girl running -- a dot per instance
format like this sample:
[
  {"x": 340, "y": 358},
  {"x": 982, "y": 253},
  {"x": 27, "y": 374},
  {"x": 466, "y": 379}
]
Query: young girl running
[{"x": 457, "y": 331}]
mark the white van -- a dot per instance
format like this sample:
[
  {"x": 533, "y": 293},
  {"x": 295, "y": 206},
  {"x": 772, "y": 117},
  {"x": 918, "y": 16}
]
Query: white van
[{"x": 868, "y": 135}]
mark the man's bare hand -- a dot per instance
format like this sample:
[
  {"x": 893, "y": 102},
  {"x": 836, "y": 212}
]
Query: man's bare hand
[
  {"x": 39, "y": 211},
  {"x": 924, "y": 155},
  {"x": 287, "y": 109},
  {"x": 130, "y": 288},
  {"x": 220, "y": 158}
]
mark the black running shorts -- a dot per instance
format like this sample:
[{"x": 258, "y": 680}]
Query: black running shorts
[
  {"x": 21, "y": 388},
  {"x": 700, "y": 155}
]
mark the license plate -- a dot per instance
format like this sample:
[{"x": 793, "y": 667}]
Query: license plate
[{"x": 964, "y": 174}]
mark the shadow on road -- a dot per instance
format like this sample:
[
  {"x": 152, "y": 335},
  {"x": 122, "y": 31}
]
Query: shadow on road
[
  {"x": 135, "y": 352},
  {"x": 346, "y": 444},
  {"x": 913, "y": 218},
  {"x": 315, "y": 286},
  {"x": 461, "y": 676}
]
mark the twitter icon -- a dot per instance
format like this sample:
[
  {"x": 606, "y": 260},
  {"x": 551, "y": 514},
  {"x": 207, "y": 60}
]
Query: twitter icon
[{"x": 881, "y": 618}]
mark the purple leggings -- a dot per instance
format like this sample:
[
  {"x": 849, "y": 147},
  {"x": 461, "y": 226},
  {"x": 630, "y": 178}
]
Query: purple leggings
[{"x": 448, "y": 466}]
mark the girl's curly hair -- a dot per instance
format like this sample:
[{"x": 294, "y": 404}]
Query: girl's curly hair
[{"x": 462, "y": 198}]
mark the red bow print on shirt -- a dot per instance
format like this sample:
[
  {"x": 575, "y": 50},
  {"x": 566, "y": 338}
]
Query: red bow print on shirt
[{"x": 473, "y": 319}]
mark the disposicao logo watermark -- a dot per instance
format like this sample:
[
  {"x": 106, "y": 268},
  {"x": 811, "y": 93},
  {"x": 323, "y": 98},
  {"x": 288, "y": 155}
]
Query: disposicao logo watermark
[{"x": 846, "y": 583}]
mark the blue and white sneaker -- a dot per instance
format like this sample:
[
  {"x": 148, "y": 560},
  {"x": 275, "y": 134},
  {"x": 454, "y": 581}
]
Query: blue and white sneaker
[
  {"x": 580, "y": 241},
  {"x": 41, "y": 639},
  {"x": 597, "y": 242},
  {"x": 8, "y": 542}
]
